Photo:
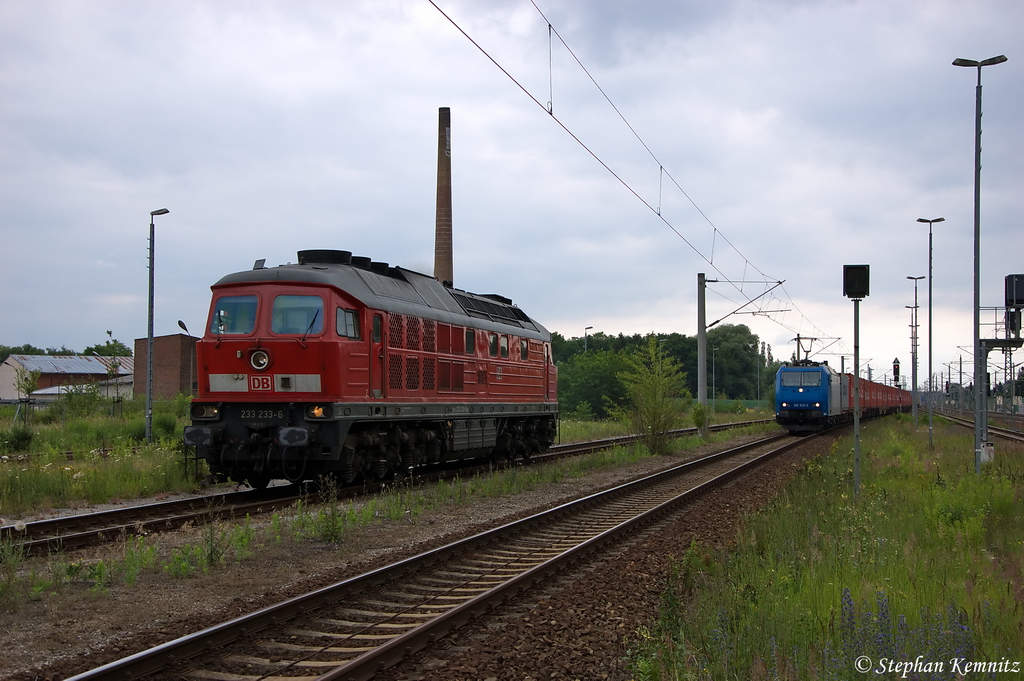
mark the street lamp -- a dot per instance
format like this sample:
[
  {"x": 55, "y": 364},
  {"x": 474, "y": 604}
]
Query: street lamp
[
  {"x": 931, "y": 388},
  {"x": 714, "y": 390},
  {"x": 979, "y": 368},
  {"x": 913, "y": 348},
  {"x": 585, "y": 337},
  {"x": 149, "y": 336}
]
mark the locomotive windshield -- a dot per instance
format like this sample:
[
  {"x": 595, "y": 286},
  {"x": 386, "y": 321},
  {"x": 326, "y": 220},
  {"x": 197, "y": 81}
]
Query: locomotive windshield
[
  {"x": 792, "y": 379},
  {"x": 298, "y": 314},
  {"x": 233, "y": 315}
]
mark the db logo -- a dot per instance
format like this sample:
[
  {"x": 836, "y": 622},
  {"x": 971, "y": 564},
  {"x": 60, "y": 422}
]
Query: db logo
[{"x": 261, "y": 382}]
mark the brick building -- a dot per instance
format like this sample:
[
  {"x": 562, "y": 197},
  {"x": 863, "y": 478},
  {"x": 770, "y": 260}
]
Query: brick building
[{"x": 174, "y": 366}]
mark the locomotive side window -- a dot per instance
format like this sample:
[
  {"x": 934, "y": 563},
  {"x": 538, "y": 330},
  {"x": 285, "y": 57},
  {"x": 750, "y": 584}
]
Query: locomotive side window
[
  {"x": 470, "y": 342},
  {"x": 348, "y": 324},
  {"x": 233, "y": 315},
  {"x": 297, "y": 314},
  {"x": 493, "y": 345},
  {"x": 524, "y": 349},
  {"x": 378, "y": 328},
  {"x": 503, "y": 339}
]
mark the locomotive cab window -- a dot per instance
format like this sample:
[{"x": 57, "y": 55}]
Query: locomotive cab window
[
  {"x": 793, "y": 379},
  {"x": 233, "y": 315},
  {"x": 297, "y": 315},
  {"x": 493, "y": 345},
  {"x": 470, "y": 342},
  {"x": 378, "y": 328},
  {"x": 348, "y": 324}
]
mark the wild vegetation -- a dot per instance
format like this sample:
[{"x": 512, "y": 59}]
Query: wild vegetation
[
  {"x": 333, "y": 521},
  {"x": 74, "y": 452},
  {"x": 928, "y": 561},
  {"x": 740, "y": 367}
]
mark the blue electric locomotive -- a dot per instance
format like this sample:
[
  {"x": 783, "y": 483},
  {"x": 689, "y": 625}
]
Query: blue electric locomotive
[{"x": 810, "y": 396}]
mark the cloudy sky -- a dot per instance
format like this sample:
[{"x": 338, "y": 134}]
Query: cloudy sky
[{"x": 755, "y": 141}]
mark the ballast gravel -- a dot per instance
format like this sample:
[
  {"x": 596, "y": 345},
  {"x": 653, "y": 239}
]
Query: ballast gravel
[{"x": 579, "y": 625}]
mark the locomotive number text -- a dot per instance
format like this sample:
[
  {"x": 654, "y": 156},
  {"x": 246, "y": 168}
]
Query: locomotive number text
[{"x": 261, "y": 414}]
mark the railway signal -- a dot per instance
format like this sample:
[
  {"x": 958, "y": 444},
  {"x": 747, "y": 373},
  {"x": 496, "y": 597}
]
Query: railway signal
[{"x": 856, "y": 285}]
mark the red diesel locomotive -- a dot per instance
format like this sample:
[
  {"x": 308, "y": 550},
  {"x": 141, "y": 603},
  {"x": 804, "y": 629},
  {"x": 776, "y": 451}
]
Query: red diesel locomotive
[{"x": 343, "y": 366}]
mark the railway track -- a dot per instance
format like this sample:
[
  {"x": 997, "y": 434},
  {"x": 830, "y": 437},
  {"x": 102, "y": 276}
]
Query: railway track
[
  {"x": 89, "y": 529},
  {"x": 1003, "y": 433},
  {"x": 354, "y": 628}
]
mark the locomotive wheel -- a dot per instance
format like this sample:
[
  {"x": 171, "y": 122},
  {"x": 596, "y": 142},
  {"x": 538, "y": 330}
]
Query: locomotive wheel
[{"x": 257, "y": 481}]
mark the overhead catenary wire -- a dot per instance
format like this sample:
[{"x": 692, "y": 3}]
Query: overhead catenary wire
[{"x": 655, "y": 209}]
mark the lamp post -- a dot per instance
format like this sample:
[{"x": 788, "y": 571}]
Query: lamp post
[
  {"x": 714, "y": 390},
  {"x": 931, "y": 391},
  {"x": 979, "y": 369},
  {"x": 913, "y": 348},
  {"x": 192, "y": 359},
  {"x": 149, "y": 335},
  {"x": 585, "y": 337}
]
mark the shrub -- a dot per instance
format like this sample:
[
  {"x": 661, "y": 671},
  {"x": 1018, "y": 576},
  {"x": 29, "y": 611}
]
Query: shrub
[
  {"x": 700, "y": 417},
  {"x": 17, "y": 439},
  {"x": 165, "y": 425}
]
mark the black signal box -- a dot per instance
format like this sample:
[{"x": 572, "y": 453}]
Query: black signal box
[
  {"x": 856, "y": 279},
  {"x": 1014, "y": 290}
]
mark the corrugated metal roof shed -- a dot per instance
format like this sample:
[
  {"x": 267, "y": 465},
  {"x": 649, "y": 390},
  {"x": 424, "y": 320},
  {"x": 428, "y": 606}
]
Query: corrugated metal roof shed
[{"x": 75, "y": 364}]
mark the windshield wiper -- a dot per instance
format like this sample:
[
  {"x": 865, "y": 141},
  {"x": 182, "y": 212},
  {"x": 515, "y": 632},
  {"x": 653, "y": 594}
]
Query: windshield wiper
[{"x": 311, "y": 323}]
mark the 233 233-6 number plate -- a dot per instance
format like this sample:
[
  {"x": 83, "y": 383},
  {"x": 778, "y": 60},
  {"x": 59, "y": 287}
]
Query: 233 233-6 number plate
[{"x": 261, "y": 414}]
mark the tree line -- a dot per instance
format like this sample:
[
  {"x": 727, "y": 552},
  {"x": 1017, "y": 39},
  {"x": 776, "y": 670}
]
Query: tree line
[
  {"x": 590, "y": 369},
  {"x": 110, "y": 348}
]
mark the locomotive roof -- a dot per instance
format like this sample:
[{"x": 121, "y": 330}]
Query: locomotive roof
[{"x": 396, "y": 289}]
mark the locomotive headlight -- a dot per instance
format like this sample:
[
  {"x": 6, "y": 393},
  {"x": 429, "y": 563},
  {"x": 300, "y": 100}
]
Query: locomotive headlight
[
  {"x": 319, "y": 411},
  {"x": 785, "y": 404},
  {"x": 817, "y": 404},
  {"x": 205, "y": 411},
  {"x": 260, "y": 360}
]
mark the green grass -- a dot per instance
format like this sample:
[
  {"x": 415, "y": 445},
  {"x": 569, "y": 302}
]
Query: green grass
[
  {"x": 570, "y": 430},
  {"x": 57, "y": 460},
  {"x": 50, "y": 480},
  {"x": 928, "y": 561}
]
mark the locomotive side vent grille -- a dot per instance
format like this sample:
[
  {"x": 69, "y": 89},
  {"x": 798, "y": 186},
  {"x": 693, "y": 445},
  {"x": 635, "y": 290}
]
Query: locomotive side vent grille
[
  {"x": 396, "y": 329},
  {"x": 429, "y": 335},
  {"x": 412, "y": 333},
  {"x": 428, "y": 373},
  {"x": 395, "y": 372},
  {"x": 412, "y": 373}
]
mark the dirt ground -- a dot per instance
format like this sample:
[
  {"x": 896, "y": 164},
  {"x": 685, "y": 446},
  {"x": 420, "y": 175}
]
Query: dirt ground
[{"x": 577, "y": 626}]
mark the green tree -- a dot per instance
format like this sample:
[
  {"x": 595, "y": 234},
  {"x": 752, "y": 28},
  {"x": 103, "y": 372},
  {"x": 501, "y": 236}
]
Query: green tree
[
  {"x": 656, "y": 393},
  {"x": 591, "y": 378},
  {"x": 737, "y": 359},
  {"x": 27, "y": 349},
  {"x": 25, "y": 381},
  {"x": 111, "y": 348}
]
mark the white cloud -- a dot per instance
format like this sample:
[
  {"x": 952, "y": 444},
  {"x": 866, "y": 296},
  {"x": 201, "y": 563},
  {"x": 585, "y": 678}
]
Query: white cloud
[{"x": 810, "y": 134}]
